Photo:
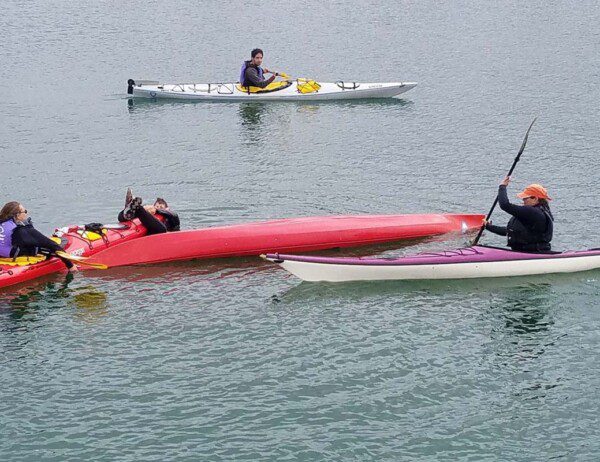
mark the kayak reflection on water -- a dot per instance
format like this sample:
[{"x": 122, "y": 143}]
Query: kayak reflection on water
[
  {"x": 532, "y": 224},
  {"x": 251, "y": 114},
  {"x": 147, "y": 214}
]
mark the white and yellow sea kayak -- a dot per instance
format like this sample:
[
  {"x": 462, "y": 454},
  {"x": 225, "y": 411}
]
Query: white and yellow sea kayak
[{"x": 287, "y": 90}]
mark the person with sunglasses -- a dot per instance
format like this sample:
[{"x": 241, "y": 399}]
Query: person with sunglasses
[
  {"x": 532, "y": 224},
  {"x": 147, "y": 214},
  {"x": 18, "y": 237}
]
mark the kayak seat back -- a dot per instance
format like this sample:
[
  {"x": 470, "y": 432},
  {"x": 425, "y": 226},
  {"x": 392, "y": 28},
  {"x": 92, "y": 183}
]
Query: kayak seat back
[
  {"x": 273, "y": 86},
  {"x": 22, "y": 261}
]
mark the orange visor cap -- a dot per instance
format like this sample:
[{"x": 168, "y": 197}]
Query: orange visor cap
[{"x": 534, "y": 190}]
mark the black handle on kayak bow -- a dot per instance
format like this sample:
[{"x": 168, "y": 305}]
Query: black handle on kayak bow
[{"x": 489, "y": 215}]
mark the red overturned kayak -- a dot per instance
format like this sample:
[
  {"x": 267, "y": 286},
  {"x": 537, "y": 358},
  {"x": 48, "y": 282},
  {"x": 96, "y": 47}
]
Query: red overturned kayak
[
  {"x": 286, "y": 235},
  {"x": 76, "y": 241}
]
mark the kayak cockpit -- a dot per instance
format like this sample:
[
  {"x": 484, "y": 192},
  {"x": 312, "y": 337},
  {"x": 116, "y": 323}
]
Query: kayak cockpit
[{"x": 273, "y": 86}]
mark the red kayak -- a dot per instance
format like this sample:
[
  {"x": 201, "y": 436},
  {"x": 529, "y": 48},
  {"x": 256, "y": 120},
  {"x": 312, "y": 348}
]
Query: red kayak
[
  {"x": 287, "y": 235},
  {"x": 76, "y": 241},
  {"x": 129, "y": 244}
]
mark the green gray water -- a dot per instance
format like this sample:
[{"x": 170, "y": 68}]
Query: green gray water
[{"x": 235, "y": 360}]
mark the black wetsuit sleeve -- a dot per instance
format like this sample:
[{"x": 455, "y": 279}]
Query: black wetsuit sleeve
[
  {"x": 500, "y": 230},
  {"x": 529, "y": 216},
  {"x": 171, "y": 219},
  {"x": 121, "y": 217},
  {"x": 28, "y": 241},
  {"x": 253, "y": 79},
  {"x": 28, "y": 236}
]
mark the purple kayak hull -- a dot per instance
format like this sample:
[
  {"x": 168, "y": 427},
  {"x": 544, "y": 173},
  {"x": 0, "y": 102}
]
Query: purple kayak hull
[
  {"x": 465, "y": 255},
  {"x": 466, "y": 263}
]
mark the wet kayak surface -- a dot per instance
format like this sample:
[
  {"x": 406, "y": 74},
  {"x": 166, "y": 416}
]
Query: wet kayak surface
[
  {"x": 478, "y": 262},
  {"x": 236, "y": 360}
]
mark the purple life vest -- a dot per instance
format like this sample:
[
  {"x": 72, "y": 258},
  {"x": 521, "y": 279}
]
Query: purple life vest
[
  {"x": 6, "y": 229},
  {"x": 243, "y": 73}
]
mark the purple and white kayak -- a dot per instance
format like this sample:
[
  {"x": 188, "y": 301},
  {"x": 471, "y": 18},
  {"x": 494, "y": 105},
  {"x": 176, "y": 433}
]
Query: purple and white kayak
[{"x": 467, "y": 263}]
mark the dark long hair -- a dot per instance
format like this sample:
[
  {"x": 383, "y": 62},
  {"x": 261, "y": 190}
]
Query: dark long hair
[{"x": 10, "y": 210}]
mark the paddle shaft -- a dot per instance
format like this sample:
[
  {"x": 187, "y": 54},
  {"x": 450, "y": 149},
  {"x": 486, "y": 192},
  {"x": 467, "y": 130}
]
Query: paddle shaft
[
  {"x": 285, "y": 76},
  {"x": 516, "y": 161}
]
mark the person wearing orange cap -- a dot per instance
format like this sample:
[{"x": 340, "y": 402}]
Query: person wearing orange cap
[{"x": 532, "y": 224}]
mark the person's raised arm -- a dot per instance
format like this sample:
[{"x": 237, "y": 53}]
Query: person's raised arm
[{"x": 526, "y": 214}]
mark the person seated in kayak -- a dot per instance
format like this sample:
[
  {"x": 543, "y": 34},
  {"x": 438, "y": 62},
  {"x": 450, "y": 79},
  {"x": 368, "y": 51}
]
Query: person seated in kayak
[
  {"x": 146, "y": 214},
  {"x": 18, "y": 237},
  {"x": 532, "y": 224},
  {"x": 252, "y": 75}
]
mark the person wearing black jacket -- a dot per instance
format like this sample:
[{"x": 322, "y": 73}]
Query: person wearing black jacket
[
  {"x": 252, "y": 74},
  {"x": 532, "y": 224},
  {"x": 19, "y": 238},
  {"x": 146, "y": 214}
]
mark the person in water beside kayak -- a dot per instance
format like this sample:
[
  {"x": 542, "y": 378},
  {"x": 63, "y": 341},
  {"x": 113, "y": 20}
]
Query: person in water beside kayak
[
  {"x": 146, "y": 214},
  {"x": 532, "y": 224},
  {"x": 18, "y": 237},
  {"x": 252, "y": 75}
]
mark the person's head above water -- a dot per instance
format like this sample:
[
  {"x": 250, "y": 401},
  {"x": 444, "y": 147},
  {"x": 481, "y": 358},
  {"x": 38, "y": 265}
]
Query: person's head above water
[
  {"x": 257, "y": 57},
  {"x": 13, "y": 210},
  {"x": 160, "y": 204}
]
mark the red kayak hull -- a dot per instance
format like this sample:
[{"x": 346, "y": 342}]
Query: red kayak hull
[
  {"x": 287, "y": 235},
  {"x": 73, "y": 244}
]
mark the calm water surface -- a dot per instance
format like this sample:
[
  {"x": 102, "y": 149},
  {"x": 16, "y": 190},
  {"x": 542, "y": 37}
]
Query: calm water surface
[{"x": 236, "y": 360}]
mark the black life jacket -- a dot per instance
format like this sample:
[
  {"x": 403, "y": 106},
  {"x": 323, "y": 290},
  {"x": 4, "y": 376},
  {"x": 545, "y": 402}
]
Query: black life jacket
[{"x": 528, "y": 239}]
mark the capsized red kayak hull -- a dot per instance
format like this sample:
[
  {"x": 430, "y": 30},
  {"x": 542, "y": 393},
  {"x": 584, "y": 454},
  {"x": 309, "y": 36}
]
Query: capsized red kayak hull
[
  {"x": 75, "y": 244},
  {"x": 286, "y": 235}
]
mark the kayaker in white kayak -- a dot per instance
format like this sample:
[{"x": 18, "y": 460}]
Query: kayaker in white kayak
[
  {"x": 147, "y": 214},
  {"x": 532, "y": 224},
  {"x": 252, "y": 74},
  {"x": 18, "y": 237}
]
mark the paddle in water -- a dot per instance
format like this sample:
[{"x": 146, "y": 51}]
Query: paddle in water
[{"x": 516, "y": 161}]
